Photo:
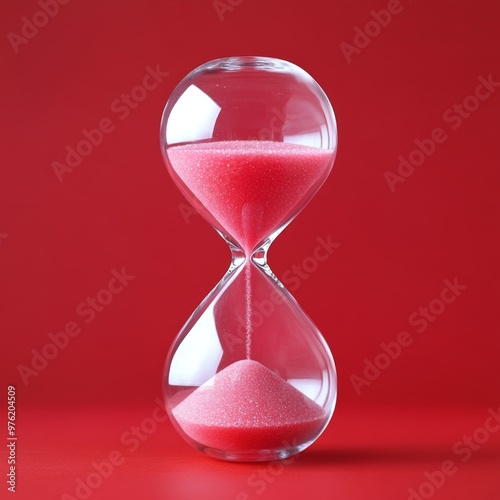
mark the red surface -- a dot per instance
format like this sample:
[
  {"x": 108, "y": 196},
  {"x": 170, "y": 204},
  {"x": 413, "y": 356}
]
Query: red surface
[
  {"x": 366, "y": 453},
  {"x": 103, "y": 256}
]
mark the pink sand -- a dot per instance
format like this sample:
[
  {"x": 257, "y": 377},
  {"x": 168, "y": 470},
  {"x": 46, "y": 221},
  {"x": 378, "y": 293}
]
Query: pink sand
[
  {"x": 247, "y": 407},
  {"x": 250, "y": 187}
]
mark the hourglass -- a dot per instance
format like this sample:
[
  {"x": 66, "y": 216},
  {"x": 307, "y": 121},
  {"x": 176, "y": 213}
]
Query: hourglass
[{"x": 249, "y": 141}]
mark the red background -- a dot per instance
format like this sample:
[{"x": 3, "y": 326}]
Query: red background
[{"x": 60, "y": 240}]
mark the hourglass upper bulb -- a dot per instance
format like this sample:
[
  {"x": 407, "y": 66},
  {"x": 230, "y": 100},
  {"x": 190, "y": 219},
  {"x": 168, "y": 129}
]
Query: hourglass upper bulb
[{"x": 229, "y": 128}]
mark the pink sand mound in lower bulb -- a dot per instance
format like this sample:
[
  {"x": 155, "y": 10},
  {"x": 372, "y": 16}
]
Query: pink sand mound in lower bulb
[{"x": 247, "y": 407}]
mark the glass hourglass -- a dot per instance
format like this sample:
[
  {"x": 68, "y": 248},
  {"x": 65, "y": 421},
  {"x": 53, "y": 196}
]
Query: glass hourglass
[{"x": 249, "y": 141}]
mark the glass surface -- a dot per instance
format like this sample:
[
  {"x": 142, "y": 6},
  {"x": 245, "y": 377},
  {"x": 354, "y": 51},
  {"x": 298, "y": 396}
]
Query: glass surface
[{"x": 249, "y": 141}]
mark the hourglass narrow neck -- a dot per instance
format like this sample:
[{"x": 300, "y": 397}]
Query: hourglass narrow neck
[
  {"x": 258, "y": 255},
  {"x": 238, "y": 256}
]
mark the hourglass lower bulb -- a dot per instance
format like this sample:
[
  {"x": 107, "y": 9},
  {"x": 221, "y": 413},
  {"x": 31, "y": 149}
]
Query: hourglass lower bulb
[{"x": 249, "y": 141}]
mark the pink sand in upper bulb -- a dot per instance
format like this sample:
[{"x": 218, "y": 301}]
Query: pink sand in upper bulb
[
  {"x": 250, "y": 187},
  {"x": 247, "y": 407}
]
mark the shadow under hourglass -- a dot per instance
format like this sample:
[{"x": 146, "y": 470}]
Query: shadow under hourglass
[{"x": 371, "y": 455}]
